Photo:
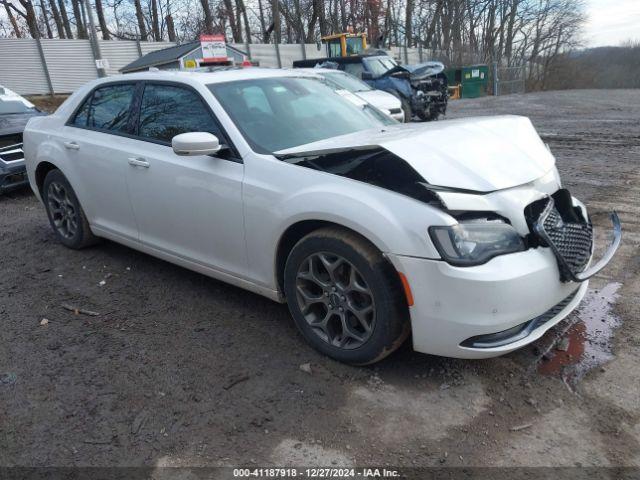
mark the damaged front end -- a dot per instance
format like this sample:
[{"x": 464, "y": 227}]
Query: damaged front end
[
  {"x": 553, "y": 221},
  {"x": 562, "y": 227},
  {"x": 431, "y": 88}
]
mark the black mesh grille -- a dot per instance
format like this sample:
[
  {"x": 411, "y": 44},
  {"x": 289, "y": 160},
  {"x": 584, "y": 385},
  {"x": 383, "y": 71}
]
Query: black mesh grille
[
  {"x": 556, "y": 223},
  {"x": 573, "y": 240}
]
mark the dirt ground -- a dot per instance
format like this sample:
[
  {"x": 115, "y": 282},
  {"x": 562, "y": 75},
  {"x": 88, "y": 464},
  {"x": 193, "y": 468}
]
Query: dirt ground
[{"x": 182, "y": 370}]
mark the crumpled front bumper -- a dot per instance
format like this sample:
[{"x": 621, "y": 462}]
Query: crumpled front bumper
[
  {"x": 453, "y": 304},
  {"x": 492, "y": 309},
  {"x": 567, "y": 269}
]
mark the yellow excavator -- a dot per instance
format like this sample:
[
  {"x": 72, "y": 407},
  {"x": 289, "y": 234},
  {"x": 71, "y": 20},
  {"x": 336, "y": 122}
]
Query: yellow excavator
[{"x": 345, "y": 44}]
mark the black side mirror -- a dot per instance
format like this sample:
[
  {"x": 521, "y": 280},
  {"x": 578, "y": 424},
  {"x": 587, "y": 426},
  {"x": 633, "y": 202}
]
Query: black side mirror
[{"x": 366, "y": 76}]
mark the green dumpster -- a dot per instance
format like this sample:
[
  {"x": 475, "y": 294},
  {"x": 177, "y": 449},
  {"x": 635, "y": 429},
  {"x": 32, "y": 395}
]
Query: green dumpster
[{"x": 473, "y": 79}]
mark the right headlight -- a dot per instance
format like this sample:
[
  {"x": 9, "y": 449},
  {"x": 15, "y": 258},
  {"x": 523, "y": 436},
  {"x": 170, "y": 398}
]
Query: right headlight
[{"x": 475, "y": 243}]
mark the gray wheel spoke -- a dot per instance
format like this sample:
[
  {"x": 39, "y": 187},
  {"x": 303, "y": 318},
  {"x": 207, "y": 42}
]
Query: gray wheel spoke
[
  {"x": 335, "y": 300},
  {"x": 309, "y": 299},
  {"x": 355, "y": 283},
  {"x": 331, "y": 266},
  {"x": 62, "y": 210},
  {"x": 361, "y": 315}
]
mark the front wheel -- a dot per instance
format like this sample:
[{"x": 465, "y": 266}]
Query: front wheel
[{"x": 345, "y": 298}]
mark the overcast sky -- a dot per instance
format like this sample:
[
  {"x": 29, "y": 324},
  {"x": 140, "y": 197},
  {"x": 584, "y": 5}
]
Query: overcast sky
[{"x": 611, "y": 22}]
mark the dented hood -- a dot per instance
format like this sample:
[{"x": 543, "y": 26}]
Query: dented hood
[{"x": 481, "y": 154}]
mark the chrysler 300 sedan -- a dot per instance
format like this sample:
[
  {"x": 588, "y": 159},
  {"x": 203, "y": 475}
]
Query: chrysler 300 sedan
[{"x": 457, "y": 232}]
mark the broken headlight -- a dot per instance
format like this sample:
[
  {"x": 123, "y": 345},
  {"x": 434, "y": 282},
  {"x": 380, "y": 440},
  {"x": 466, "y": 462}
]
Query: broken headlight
[{"x": 475, "y": 243}]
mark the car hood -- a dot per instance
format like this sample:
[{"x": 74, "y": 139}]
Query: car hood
[
  {"x": 424, "y": 70},
  {"x": 380, "y": 99},
  {"x": 15, "y": 123},
  {"x": 482, "y": 154}
]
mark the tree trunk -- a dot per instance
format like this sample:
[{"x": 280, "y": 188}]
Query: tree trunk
[
  {"x": 235, "y": 31},
  {"x": 208, "y": 18},
  {"x": 45, "y": 19},
  {"x": 77, "y": 13},
  {"x": 155, "y": 22},
  {"x": 142, "y": 27},
  {"x": 101, "y": 21},
  {"x": 243, "y": 10},
  {"x": 65, "y": 19},
  {"x": 508, "y": 47},
  {"x": 263, "y": 23},
  {"x": 275, "y": 12},
  {"x": 408, "y": 24},
  {"x": 31, "y": 18},
  {"x": 13, "y": 21},
  {"x": 171, "y": 29},
  {"x": 432, "y": 26},
  {"x": 343, "y": 16},
  {"x": 56, "y": 18}
]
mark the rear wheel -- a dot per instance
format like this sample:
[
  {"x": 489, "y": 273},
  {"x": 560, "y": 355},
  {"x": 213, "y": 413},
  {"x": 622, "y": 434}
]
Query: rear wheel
[
  {"x": 65, "y": 213},
  {"x": 345, "y": 298}
]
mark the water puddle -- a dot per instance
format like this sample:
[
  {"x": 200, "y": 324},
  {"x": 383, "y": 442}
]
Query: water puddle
[{"x": 587, "y": 342}]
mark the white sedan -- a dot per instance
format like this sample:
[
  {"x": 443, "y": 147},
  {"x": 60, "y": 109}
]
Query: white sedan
[
  {"x": 458, "y": 232},
  {"x": 339, "y": 80}
]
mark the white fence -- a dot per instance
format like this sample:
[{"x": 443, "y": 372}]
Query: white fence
[{"x": 61, "y": 66}]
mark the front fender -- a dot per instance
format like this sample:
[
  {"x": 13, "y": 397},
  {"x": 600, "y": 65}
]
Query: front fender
[{"x": 393, "y": 222}]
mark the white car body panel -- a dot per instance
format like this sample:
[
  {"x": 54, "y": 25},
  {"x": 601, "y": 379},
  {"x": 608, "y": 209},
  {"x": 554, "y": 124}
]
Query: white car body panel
[
  {"x": 380, "y": 99},
  {"x": 383, "y": 101},
  {"x": 225, "y": 219},
  {"x": 482, "y": 154}
]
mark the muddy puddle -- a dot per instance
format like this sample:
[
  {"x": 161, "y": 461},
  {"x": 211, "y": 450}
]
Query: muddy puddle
[{"x": 586, "y": 343}]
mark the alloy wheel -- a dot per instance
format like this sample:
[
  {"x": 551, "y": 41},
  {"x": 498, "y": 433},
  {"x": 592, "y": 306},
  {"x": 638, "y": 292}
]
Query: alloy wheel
[
  {"x": 62, "y": 209},
  {"x": 335, "y": 300}
]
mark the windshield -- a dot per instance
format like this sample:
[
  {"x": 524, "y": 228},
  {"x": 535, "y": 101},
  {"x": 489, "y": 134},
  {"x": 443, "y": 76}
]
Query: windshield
[
  {"x": 278, "y": 113},
  {"x": 354, "y": 45},
  {"x": 15, "y": 105},
  {"x": 345, "y": 81},
  {"x": 378, "y": 66}
]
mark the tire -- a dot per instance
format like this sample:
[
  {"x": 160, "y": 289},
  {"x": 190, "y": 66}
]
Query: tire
[
  {"x": 406, "y": 108},
  {"x": 65, "y": 214},
  {"x": 333, "y": 310}
]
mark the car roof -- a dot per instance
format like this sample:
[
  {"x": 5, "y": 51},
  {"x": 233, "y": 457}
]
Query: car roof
[
  {"x": 206, "y": 78},
  {"x": 321, "y": 70}
]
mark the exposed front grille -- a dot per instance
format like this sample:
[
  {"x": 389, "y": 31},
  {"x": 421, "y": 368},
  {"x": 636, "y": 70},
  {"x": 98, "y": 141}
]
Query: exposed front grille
[
  {"x": 12, "y": 153},
  {"x": 573, "y": 240},
  {"x": 562, "y": 227}
]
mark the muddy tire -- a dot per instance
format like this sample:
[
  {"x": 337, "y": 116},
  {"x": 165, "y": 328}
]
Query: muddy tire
[
  {"x": 406, "y": 108},
  {"x": 345, "y": 297},
  {"x": 65, "y": 213}
]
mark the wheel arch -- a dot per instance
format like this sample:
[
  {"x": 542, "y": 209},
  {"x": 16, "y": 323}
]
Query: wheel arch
[
  {"x": 298, "y": 230},
  {"x": 41, "y": 172}
]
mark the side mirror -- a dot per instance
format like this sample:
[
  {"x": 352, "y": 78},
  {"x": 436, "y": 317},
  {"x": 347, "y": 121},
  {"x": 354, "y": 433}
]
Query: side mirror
[
  {"x": 366, "y": 76},
  {"x": 195, "y": 143}
]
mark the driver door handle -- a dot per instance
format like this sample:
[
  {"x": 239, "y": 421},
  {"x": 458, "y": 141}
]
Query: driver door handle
[
  {"x": 71, "y": 145},
  {"x": 138, "y": 162}
]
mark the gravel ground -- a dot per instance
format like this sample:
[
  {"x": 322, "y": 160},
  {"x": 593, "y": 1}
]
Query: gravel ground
[{"x": 182, "y": 370}]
